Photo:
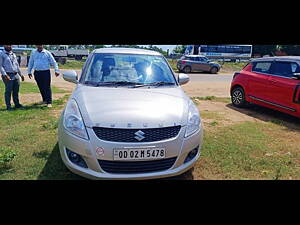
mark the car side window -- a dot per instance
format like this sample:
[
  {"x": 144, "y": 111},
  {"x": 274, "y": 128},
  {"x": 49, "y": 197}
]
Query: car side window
[
  {"x": 263, "y": 67},
  {"x": 285, "y": 69}
]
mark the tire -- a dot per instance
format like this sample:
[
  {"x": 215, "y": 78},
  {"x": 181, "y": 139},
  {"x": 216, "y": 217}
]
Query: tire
[
  {"x": 214, "y": 70},
  {"x": 187, "y": 69},
  {"x": 238, "y": 97}
]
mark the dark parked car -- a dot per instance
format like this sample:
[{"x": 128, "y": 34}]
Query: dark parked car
[
  {"x": 273, "y": 82},
  {"x": 190, "y": 63}
]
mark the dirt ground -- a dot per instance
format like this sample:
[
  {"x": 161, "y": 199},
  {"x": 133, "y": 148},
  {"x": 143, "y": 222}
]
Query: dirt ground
[
  {"x": 35, "y": 98},
  {"x": 226, "y": 111},
  {"x": 202, "y": 89}
]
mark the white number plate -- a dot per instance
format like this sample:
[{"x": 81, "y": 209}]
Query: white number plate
[{"x": 138, "y": 154}]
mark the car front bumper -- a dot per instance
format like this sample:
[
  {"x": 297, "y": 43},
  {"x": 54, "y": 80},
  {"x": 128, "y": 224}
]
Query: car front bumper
[{"x": 178, "y": 146}]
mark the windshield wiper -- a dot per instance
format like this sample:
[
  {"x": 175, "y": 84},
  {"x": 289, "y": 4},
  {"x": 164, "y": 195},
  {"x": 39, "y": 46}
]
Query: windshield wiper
[
  {"x": 118, "y": 83},
  {"x": 91, "y": 83},
  {"x": 161, "y": 83},
  {"x": 158, "y": 83}
]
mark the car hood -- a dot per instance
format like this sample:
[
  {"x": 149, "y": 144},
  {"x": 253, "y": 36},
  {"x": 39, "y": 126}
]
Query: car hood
[{"x": 124, "y": 107}]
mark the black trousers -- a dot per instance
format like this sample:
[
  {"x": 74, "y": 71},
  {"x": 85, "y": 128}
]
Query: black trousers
[{"x": 43, "y": 80}]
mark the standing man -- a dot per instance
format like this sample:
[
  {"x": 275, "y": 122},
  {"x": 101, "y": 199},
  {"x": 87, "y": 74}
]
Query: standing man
[
  {"x": 10, "y": 71},
  {"x": 40, "y": 61}
]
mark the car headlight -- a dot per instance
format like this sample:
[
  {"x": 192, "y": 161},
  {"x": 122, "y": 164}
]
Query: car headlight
[
  {"x": 73, "y": 121},
  {"x": 194, "y": 121}
]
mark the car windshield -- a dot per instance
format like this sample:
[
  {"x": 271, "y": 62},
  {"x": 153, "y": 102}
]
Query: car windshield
[{"x": 128, "y": 69}]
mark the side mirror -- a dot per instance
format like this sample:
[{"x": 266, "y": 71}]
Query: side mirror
[
  {"x": 296, "y": 76},
  {"x": 70, "y": 76},
  {"x": 183, "y": 78}
]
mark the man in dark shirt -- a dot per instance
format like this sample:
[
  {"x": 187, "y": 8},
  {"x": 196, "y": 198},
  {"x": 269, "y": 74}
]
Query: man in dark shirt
[{"x": 10, "y": 71}]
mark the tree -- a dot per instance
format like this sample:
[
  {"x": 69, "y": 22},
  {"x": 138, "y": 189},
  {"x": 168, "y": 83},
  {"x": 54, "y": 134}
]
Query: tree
[
  {"x": 180, "y": 49},
  {"x": 160, "y": 50},
  {"x": 264, "y": 49},
  {"x": 99, "y": 46},
  {"x": 290, "y": 49},
  {"x": 150, "y": 47}
]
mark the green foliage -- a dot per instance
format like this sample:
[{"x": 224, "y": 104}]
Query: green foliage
[
  {"x": 290, "y": 49},
  {"x": 179, "y": 49},
  {"x": 72, "y": 64},
  {"x": 151, "y": 47},
  {"x": 264, "y": 49},
  {"x": 6, "y": 155}
]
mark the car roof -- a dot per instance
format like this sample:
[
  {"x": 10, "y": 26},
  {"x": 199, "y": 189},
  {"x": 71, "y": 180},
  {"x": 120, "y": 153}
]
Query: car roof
[
  {"x": 281, "y": 58},
  {"x": 127, "y": 51}
]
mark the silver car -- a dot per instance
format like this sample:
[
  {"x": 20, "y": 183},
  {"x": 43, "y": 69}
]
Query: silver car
[
  {"x": 128, "y": 118},
  {"x": 192, "y": 63}
]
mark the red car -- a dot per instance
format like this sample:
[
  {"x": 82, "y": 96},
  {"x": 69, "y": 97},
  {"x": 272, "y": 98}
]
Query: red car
[{"x": 273, "y": 82}]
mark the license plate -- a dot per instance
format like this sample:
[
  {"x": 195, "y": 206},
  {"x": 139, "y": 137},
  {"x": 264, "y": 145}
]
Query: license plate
[{"x": 139, "y": 154}]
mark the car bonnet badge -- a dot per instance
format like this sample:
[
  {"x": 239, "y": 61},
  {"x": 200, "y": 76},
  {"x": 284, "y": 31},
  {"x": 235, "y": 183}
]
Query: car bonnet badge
[{"x": 139, "y": 135}]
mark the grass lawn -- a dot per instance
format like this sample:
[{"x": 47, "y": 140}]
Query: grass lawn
[
  {"x": 28, "y": 88},
  {"x": 229, "y": 67},
  {"x": 249, "y": 150},
  {"x": 72, "y": 64},
  {"x": 30, "y": 135},
  {"x": 244, "y": 150}
]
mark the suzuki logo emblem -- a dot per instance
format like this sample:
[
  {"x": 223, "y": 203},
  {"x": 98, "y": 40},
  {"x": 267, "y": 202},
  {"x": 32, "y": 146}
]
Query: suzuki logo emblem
[{"x": 139, "y": 135}]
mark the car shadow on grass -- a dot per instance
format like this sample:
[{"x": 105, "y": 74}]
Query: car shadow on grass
[
  {"x": 55, "y": 168},
  {"x": 291, "y": 123}
]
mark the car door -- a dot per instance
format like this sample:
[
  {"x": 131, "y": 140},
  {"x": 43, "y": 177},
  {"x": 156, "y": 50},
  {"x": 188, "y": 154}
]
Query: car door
[
  {"x": 194, "y": 62},
  {"x": 203, "y": 64},
  {"x": 284, "y": 90},
  {"x": 258, "y": 80}
]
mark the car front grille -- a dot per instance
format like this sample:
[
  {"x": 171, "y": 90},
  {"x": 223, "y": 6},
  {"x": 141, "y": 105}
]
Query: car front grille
[
  {"x": 130, "y": 167},
  {"x": 128, "y": 135}
]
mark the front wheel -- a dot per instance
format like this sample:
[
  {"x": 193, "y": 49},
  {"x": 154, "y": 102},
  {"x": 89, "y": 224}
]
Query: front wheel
[
  {"x": 187, "y": 69},
  {"x": 214, "y": 70},
  {"x": 238, "y": 97}
]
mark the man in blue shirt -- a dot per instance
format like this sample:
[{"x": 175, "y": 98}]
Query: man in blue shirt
[
  {"x": 10, "y": 71},
  {"x": 40, "y": 61}
]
